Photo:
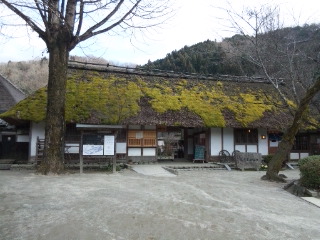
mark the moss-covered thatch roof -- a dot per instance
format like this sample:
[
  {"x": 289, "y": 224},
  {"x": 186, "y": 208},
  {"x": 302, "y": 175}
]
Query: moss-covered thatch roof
[{"x": 113, "y": 97}]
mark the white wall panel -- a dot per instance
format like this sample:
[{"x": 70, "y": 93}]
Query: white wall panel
[
  {"x": 134, "y": 152},
  {"x": 241, "y": 148},
  {"x": 263, "y": 143},
  {"x": 228, "y": 140},
  {"x": 303, "y": 155},
  {"x": 149, "y": 151},
  {"x": 23, "y": 138},
  {"x": 216, "y": 141},
  {"x": 252, "y": 148},
  {"x": 37, "y": 130},
  {"x": 294, "y": 156},
  {"x": 121, "y": 147}
]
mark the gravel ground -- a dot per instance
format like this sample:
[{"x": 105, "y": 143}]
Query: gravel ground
[{"x": 207, "y": 204}]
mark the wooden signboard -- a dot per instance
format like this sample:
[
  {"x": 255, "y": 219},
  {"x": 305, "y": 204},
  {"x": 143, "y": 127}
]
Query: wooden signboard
[{"x": 199, "y": 152}]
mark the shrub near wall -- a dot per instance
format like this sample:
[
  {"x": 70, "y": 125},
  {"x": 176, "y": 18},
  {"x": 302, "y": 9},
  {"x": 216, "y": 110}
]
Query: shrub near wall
[{"x": 310, "y": 172}]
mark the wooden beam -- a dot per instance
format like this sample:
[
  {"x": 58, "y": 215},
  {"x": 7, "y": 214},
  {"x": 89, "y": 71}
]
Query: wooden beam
[{"x": 81, "y": 153}]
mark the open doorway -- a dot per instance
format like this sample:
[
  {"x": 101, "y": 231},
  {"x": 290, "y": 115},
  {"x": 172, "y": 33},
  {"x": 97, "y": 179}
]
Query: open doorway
[{"x": 170, "y": 143}]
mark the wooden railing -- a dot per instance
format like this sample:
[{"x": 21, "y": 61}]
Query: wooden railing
[
  {"x": 133, "y": 142},
  {"x": 39, "y": 149}
]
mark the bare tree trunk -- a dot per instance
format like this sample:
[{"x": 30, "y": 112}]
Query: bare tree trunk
[
  {"x": 53, "y": 161},
  {"x": 287, "y": 142}
]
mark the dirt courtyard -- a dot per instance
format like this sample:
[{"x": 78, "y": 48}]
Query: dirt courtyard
[{"x": 200, "y": 204}]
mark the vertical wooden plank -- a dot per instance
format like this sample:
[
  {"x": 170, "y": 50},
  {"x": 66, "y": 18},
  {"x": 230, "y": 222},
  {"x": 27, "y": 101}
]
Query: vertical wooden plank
[
  {"x": 81, "y": 153},
  {"x": 114, "y": 164}
]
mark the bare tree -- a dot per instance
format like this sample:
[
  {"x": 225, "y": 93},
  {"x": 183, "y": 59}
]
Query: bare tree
[
  {"x": 62, "y": 25},
  {"x": 287, "y": 59}
]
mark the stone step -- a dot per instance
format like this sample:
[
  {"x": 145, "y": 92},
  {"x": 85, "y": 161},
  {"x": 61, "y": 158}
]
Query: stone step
[{"x": 5, "y": 166}]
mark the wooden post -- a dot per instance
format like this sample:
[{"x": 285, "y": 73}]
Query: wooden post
[
  {"x": 81, "y": 153},
  {"x": 114, "y": 164}
]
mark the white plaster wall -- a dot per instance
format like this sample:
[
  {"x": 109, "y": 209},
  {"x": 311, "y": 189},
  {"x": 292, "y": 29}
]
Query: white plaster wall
[
  {"x": 216, "y": 143},
  {"x": 36, "y": 130},
  {"x": 263, "y": 143},
  {"x": 241, "y": 148},
  {"x": 274, "y": 144},
  {"x": 149, "y": 152},
  {"x": 23, "y": 138},
  {"x": 134, "y": 152},
  {"x": 294, "y": 156},
  {"x": 303, "y": 155},
  {"x": 252, "y": 148},
  {"x": 228, "y": 140}
]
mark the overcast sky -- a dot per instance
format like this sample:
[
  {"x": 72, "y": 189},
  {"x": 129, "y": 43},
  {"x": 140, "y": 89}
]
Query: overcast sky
[{"x": 194, "y": 21}]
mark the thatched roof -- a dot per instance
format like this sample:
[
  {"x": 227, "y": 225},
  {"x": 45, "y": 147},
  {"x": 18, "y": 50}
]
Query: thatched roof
[
  {"x": 9, "y": 94},
  {"x": 105, "y": 95}
]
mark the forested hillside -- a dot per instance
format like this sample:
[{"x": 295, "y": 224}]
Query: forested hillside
[
  {"x": 208, "y": 57},
  {"x": 227, "y": 57},
  {"x": 28, "y": 76}
]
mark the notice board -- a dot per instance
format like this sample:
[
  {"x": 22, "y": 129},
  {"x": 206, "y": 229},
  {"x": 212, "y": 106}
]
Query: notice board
[{"x": 108, "y": 145}]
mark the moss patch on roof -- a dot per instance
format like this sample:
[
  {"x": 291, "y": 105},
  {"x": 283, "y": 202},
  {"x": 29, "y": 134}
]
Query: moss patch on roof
[
  {"x": 32, "y": 108},
  {"x": 115, "y": 98}
]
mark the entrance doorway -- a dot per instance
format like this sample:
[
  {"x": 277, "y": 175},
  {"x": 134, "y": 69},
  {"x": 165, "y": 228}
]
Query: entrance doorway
[
  {"x": 170, "y": 143},
  {"x": 8, "y": 146}
]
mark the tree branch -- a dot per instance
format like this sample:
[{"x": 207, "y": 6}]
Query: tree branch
[
  {"x": 89, "y": 33},
  {"x": 31, "y": 23}
]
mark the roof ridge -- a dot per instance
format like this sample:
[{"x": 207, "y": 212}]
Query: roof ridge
[
  {"x": 12, "y": 84},
  {"x": 162, "y": 73}
]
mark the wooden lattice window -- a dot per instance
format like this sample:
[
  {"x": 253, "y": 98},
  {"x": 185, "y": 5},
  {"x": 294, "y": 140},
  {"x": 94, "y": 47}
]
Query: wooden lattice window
[
  {"x": 246, "y": 136},
  {"x": 141, "y": 138},
  {"x": 301, "y": 143}
]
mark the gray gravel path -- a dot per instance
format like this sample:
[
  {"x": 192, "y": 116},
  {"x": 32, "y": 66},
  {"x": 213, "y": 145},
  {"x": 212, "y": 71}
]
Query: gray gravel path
[{"x": 212, "y": 204}]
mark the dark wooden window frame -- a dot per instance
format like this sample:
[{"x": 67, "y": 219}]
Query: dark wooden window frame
[
  {"x": 301, "y": 143},
  {"x": 246, "y": 136}
]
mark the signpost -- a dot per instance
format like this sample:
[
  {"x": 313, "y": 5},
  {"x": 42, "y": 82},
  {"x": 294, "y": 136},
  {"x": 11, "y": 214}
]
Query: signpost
[{"x": 109, "y": 147}]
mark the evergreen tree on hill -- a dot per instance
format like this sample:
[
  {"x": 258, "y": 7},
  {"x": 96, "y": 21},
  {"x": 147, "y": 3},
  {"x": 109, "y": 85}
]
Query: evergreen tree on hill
[
  {"x": 207, "y": 57},
  {"x": 211, "y": 57}
]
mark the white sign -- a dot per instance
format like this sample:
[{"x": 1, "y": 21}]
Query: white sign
[
  {"x": 109, "y": 145},
  {"x": 95, "y": 150},
  {"x": 121, "y": 147},
  {"x": 139, "y": 135},
  {"x": 274, "y": 144}
]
